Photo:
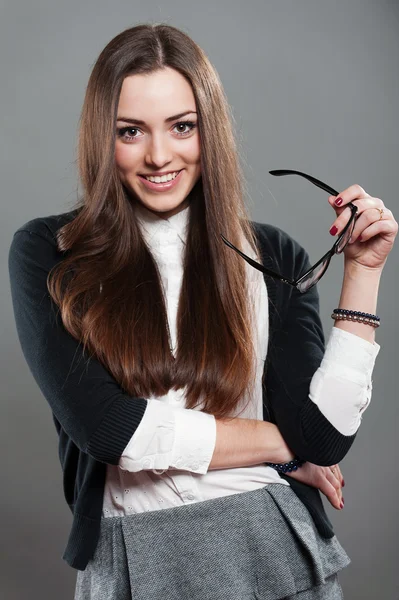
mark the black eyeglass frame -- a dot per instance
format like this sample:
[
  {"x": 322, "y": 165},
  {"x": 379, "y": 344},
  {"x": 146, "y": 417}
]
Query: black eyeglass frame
[{"x": 326, "y": 257}]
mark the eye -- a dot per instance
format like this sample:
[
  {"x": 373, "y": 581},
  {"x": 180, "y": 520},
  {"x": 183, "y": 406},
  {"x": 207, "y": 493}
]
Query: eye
[
  {"x": 189, "y": 124},
  {"x": 122, "y": 131}
]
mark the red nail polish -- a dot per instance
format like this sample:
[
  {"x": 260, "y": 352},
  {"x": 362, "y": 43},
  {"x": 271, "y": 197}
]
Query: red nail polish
[
  {"x": 343, "y": 482},
  {"x": 338, "y": 201},
  {"x": 342, "y": 505},
  {"x": 333, "y": 230}
]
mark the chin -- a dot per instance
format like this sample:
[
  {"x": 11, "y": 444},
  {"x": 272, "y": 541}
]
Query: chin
[
  {"x": 160, "y": 202},
  {"x": 164, "y": 209}
]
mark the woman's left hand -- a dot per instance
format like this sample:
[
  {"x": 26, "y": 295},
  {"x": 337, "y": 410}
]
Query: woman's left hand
[
  {"x": 328, "y": 480},
  {"x": 377, "y": 234}
]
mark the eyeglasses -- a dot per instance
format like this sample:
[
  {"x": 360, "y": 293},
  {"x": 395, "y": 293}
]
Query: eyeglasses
[{"x": 315, "y": 273}]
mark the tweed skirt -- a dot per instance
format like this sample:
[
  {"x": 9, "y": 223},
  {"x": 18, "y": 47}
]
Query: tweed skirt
[{"x": 254, "y": 545}]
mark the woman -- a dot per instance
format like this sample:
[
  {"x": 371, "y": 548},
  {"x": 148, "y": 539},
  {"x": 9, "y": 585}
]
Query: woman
[{"x": 178, "y": 376}]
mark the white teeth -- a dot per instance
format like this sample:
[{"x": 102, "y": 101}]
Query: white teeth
[{"x": 164, "y": 178}]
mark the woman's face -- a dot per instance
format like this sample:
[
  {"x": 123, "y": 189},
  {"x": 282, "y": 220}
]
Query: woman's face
[{"x": 148, "y": 141}]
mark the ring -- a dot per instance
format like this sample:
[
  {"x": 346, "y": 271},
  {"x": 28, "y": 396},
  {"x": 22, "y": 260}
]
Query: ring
[{"x": 381, "y": 212}]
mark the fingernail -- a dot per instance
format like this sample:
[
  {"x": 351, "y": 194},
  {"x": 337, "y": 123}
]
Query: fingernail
[
  {"x": 360, "y": 238},
  {"x": 333, "y": 230},
  {"x": 343, "y": 483},
  {"x": 338, "y": 201},
  {"x": 342, "y": 504}
]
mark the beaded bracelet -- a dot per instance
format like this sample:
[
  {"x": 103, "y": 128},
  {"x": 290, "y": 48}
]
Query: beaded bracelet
[
  {"x": 356, "y": 316},
  {"x": 292, "y": 465}
]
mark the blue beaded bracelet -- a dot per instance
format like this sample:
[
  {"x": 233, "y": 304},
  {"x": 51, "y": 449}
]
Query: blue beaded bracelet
[
  {"x": 292, "y": 465},
  {"x": 356, "y": 316},
  {"x": 344, "y": 311}
]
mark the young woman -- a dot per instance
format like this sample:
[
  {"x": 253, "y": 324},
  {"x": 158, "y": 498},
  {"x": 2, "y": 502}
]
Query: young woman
[{"x": 180, "y": 378}]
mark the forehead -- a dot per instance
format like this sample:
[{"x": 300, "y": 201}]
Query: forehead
[{"x": 159, "y": 94}]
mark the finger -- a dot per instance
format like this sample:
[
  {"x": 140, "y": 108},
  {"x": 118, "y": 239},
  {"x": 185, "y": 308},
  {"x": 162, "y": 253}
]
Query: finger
[
  {"x": 363, "y": 206},
  {"x": 338, "y": 209},
  {"x": 330, "y": 491},
  {"x": 339, "y": 475},
  {"x": 351, "y": 193},
  {"x": 336, "y": 483},
  {"x": 362, "y": 203},
  {"x": 367, "y": 218},
  {"x": 389, "y": 228},
  {"x": 335, "y": 479}
]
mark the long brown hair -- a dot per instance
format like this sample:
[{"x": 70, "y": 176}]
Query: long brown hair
[{"x": 108, "y": 286}]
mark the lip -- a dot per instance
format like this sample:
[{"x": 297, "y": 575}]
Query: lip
[
  {"x": 159, "y": 173},
  {"x": 161, "y": 187}
]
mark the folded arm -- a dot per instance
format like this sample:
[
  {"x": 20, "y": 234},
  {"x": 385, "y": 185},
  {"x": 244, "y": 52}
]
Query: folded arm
[
  {"x": 316, "y": 394},
  {"x": 89, "y": 404}
]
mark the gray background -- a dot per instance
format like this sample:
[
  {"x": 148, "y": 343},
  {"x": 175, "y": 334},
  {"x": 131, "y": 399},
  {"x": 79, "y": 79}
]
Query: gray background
[{"x": 314, "y": 86}]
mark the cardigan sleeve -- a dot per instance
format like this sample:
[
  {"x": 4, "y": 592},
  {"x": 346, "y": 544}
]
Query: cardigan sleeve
[
  {"x": 297, "y": 348},
  {"x": 88, "y": 403}
]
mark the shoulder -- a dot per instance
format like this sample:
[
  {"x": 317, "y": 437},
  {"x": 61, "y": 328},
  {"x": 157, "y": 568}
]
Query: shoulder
[
  {"x": 47, "y": 226},
  {"x": 34, "y": 244}
]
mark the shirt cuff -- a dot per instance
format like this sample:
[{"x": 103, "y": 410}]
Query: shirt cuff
[
  {"x": 349, "y": 356},
  {"x": 342, "y": 385},
  {"x": 170, "y": 437},
  {"x": 151, "y": 444},
  {"x": 195, "y": 440}
]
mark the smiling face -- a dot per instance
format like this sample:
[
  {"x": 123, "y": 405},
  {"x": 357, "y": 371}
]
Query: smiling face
[{"x": 148, "y": 141}]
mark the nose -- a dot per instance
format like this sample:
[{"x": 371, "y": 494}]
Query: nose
[{"x": 159, "y": 151}]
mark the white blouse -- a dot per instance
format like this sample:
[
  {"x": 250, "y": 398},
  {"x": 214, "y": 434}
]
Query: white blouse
[{"x": 166, "y": 462}]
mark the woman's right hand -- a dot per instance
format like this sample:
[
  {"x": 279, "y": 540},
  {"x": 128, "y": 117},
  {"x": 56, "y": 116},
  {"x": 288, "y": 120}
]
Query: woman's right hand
[{"x": 323, "y": 478}]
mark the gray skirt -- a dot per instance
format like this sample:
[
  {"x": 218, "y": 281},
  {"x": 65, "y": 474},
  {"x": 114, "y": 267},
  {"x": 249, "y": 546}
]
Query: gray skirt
[{"x": 255, "y": 545}]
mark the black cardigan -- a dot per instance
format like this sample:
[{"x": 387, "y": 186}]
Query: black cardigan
[{"x": 95, "y": 419}]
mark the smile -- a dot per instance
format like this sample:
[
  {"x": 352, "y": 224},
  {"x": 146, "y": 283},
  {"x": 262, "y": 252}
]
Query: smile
[{"x": 164, "y": 183}]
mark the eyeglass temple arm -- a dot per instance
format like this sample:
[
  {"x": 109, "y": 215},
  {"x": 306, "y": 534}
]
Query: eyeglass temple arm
[
  {"x": 317, "y": 182},
  {"x": 256, "y": 265},
  {"x": 313, "y": 180}
]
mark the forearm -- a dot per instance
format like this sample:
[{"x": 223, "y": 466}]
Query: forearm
[
  {"x": 359, "y": 292},
  {"x": 247, "y": 442}
]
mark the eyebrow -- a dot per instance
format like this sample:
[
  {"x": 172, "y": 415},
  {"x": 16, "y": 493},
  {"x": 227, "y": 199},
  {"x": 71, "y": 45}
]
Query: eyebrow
[{"x": 139, "y": 122}]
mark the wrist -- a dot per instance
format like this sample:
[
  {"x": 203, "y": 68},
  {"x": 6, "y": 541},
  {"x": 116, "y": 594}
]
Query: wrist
[
  {"x": 354, "y": 270},
  {"x": 283, "y": 452},
  {"x": 360, "y": 293}
]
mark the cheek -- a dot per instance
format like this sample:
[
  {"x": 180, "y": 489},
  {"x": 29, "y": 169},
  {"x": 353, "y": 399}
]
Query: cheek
[
  {"x": 192, "y": 153},
  {"x": 124, "y": 158}
]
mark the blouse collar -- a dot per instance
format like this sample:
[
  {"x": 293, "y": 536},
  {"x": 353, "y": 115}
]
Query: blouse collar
[{"x": 154, "y": 225}]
